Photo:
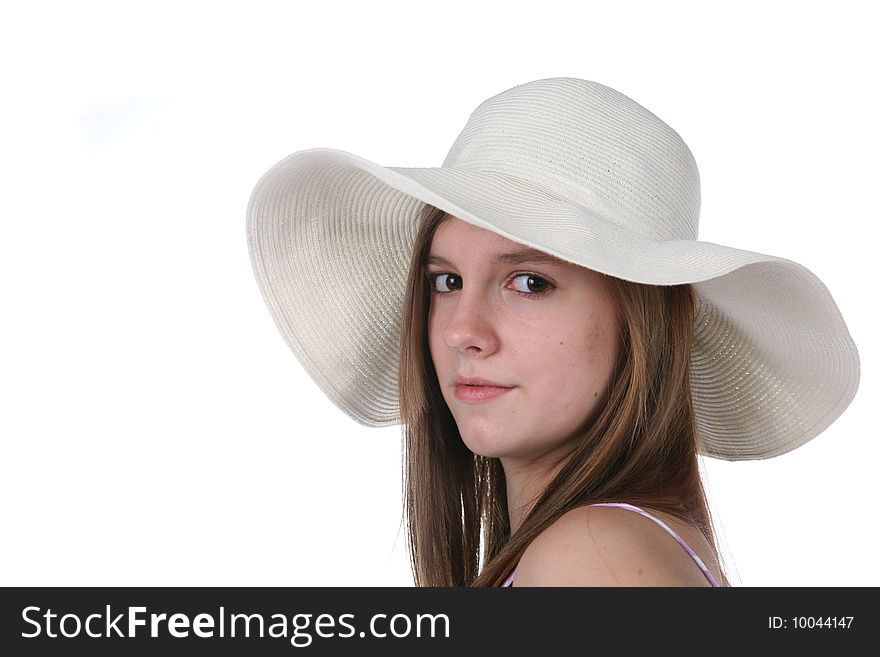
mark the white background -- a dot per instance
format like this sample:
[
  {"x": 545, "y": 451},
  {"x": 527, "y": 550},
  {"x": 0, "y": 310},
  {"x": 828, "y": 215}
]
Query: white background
[{"x": 155, "y": 428}]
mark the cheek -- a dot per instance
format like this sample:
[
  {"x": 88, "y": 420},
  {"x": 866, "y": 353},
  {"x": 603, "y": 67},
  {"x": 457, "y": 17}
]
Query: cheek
[
  {"x": 435, "y": 339},
  {"x": 579, "y": 359}
]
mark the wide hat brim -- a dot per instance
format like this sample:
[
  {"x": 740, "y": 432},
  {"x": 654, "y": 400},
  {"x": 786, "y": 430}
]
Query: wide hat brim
[{"x": 330, "y": 236}]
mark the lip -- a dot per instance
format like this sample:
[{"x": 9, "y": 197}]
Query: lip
[
  {"x": 477, "y": 390},
  {"x": 477, "y": 381}
]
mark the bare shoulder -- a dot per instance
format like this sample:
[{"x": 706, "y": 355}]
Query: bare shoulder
[{"x": 606, "y": 546}]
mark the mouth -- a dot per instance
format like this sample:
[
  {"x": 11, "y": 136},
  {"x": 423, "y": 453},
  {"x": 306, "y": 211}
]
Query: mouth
[
  {"x": 478, "y": 391},
  {"x": 478, "y": 382}
]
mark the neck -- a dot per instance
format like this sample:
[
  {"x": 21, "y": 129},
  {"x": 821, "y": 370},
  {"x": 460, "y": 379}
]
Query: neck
[{"x": 526, "y": 480}]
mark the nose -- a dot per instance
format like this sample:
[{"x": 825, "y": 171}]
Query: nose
[{"x": 470, "y": 326}]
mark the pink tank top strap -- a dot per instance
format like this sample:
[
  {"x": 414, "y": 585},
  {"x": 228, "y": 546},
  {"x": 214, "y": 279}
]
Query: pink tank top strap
[{"x": 632, "y": 507}]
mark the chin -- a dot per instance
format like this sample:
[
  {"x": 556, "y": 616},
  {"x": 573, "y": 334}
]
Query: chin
[{"x": 491, "y": 444}]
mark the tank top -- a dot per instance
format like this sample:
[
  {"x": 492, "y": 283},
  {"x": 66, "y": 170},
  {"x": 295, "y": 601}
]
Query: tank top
[{"x": 624, "y": 505}]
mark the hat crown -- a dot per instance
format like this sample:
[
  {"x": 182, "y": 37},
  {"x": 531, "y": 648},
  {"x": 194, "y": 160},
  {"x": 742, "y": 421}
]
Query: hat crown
[{"x": 592, "y": 145}]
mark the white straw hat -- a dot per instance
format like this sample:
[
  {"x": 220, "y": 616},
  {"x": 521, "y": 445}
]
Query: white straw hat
[{"x": 580, "y": 171}]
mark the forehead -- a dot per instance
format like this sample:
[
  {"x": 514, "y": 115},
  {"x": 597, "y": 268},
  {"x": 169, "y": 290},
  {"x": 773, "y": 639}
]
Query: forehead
[{"x": 457, "y": 238}]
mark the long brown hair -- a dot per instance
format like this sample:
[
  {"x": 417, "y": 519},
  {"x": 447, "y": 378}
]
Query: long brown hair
[{"x": 641, "y": 448}]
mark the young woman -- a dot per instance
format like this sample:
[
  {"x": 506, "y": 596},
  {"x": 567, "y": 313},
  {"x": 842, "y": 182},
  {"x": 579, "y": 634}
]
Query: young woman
[
  {"x": 539, "y": 316},
  {"x": 549, "y": 386}
]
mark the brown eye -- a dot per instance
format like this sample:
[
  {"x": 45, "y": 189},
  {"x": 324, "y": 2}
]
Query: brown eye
[
  {"x": 530, "y": 284},
  {"x": 448, "y": 281}
]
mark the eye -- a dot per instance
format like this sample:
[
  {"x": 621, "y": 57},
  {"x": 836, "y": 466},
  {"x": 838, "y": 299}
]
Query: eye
[
  {"x": 529, "y": 282},
  {"x": 445, "y": 281}
]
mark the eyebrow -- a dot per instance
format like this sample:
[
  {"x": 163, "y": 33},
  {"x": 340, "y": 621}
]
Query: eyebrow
[{"x": 517, "y": 257}]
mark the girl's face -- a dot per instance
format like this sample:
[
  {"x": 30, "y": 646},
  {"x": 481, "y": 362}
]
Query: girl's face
[{"x": 544, "y": 329}]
